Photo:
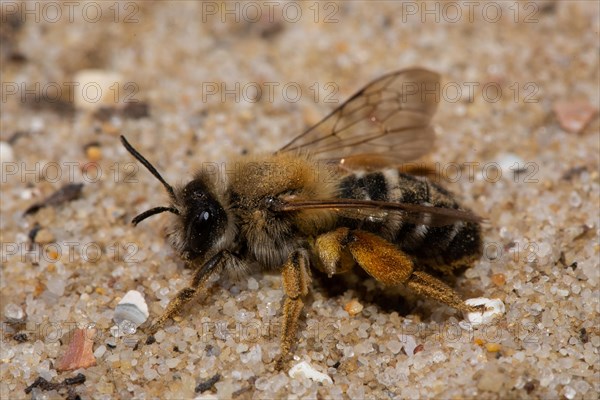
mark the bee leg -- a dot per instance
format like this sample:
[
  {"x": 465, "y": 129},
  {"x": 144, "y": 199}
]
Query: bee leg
[
  {"x": 390, "y": 266},
  {"x": 295, "y": 284},
  {"x": 426, "y": 285},
  {"x": 333, "y": 255},
  {"x": 202, "y": 274},
  {"x": 380, "y": 258}
]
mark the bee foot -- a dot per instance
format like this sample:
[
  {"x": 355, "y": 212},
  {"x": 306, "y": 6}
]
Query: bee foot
[{"x": 281, "y": 363}]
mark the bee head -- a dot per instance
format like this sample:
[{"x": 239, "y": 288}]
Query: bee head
[{"x": 202, "y": 219}]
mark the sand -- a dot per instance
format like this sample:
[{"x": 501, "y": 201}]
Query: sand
[{"x": 509, "y": 71}]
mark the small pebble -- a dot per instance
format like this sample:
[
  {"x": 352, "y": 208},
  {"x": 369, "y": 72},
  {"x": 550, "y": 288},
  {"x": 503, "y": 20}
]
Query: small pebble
[
  {"x": 493, "y": 347},
  {"x": 569, "y": 392},
  {"x": 394, "y": 346},
  {"x": 305, "y": 370},
  {"x": 409, "y": 343},
  {"x": 79, "y": 353},
  {"x": 13, "y": 312},
  {"x": 150, "y": 374},
  {"x": 574, "y": 199},
  {"x": 491, "y": 379},
  {"x": 160, "y": 335},
  {"x": 53, "y": 255},
  {"x": 246, "y": 115},
  {"x": 56, "y": 285},
  {"x": 100, "y": 351},
  {"x": 132, "y": 308},
  {"x": 207, "y": 384},
  {"x": 44, "y": 236},
  {"x": 96, "y": 88},
  {"x": 573, "y": 116},
  {"x": 111, "y": 129},
  {"x": 253, "y": 356},
  {"x": 172, "y": 362},
  {"x": 353, "y": 307},
  {"x": 93, "y": 153},
  {"x": 499, "y": 279},
  {"x": 252, "y": 284}
]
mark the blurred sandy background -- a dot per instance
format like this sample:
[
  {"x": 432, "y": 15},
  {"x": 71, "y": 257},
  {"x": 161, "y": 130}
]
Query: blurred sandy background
[{"x": 190, "y": 82}]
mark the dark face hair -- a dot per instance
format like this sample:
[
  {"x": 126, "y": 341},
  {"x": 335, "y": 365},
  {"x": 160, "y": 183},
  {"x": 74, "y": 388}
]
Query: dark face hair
[{"x": 204, "y": 219}]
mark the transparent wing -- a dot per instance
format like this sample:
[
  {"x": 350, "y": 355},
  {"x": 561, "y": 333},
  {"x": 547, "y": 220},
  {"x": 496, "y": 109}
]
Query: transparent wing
[
  {"x": 387, "y": 120},
  {"x": 413, "y": 213}
]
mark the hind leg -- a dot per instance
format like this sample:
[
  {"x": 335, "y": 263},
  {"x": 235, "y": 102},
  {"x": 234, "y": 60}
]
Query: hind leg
[{"x": 384, "y": 262}]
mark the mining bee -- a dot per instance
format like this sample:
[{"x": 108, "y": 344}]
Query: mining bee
[{"x": 333, "y": 198}]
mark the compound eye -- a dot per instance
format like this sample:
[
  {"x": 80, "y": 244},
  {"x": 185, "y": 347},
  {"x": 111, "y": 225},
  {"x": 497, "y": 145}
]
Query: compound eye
[{"x": 200, "y": 230}]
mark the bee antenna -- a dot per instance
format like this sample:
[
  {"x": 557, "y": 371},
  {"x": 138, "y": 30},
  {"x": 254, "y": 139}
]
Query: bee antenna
[
  {"x": 149, "y": 166},
  {"x": 151, "y": 212}
]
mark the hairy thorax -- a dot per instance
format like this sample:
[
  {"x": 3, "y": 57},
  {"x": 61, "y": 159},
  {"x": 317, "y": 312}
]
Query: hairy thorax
[{"x": 266, "y": 236}]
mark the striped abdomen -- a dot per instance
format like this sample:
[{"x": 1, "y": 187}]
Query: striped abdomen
[{"x": 441, "y": 247}]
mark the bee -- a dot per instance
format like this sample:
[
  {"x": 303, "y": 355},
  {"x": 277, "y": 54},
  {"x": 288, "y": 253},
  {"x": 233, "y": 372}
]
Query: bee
[{"x": 334, "y": 198}]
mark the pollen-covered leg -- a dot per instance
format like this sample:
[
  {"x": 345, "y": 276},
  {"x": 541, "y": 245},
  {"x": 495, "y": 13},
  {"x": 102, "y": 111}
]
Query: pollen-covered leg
[
  {"x": 381, "y": 259},
  {"x": 212, "y": 266},
  {"x": 339, "y": 250},
  {"x": 426, "y": 285},
  {"x": 295, "y": 284},
  {"x": 390, "y": 266}
]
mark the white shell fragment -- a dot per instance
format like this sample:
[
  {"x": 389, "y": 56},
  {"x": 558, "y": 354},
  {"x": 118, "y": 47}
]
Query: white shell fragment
[
  {"x": 494, "y": 309},
  {"x": 511, "y": 164},
  {"x": 131, "y": 308},
  {"x": 6, "y": 153},
  {"x": 305, "y": 370}
]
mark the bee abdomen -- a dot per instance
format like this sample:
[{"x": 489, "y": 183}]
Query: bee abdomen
[
  {"x": 438, "y": 247},
  {"x": 371, "y": 186}
]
